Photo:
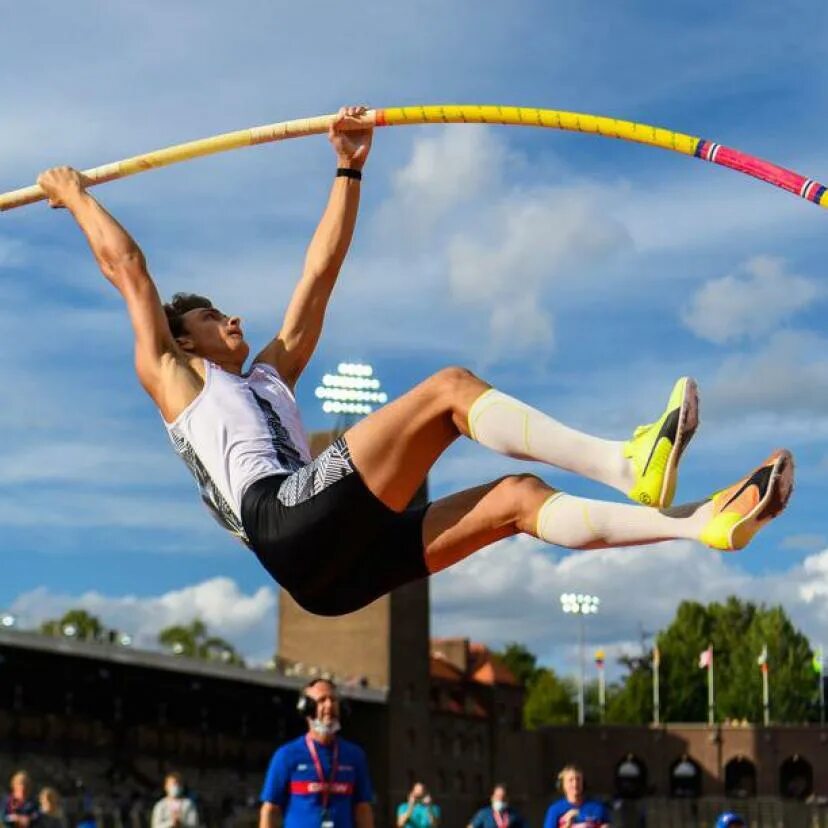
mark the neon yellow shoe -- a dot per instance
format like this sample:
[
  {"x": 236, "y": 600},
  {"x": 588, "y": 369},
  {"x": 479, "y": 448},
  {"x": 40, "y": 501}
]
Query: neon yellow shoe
[
  {"x": 655, "y": 449},
  {"x": 742, "y": 509}
]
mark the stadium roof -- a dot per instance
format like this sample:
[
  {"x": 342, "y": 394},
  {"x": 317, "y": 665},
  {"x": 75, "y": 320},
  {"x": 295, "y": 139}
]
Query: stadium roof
[{"x": 130, "y": 656}]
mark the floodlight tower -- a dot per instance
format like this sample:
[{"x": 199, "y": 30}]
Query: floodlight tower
[
  {"x": 350, "y": 393},
  {"x": 580, "y": 605}
]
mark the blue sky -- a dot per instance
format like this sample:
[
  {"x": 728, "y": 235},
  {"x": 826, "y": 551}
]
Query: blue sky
[{"x": 581, "y": 274}]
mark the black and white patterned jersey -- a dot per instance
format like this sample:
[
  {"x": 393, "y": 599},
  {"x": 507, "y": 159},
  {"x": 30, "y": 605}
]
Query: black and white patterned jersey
[{"x": 239, "y": 429}]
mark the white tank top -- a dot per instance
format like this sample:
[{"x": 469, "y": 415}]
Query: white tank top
[{"x": 239, "y": 429}]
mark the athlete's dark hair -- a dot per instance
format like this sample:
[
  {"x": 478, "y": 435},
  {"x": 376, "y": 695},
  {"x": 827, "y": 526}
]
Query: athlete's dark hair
[{"x": 178, "y": 306}]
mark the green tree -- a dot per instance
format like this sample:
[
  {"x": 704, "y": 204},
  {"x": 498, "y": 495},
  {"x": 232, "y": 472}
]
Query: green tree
[
  {"x": 738, "y": 630},
  {"x": 522, "y": 663},
  {"x": 550, "y": 700},
  {"x": 192, "y": 640},
  {"x": 82, "y": 625}
]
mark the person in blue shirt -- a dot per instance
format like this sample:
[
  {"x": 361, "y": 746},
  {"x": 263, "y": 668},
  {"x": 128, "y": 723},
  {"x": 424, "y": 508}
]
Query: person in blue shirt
[
  {"x": 318, "y": 780},
  {"x": 499, "y": 813},
  {"x": 418, "y": 811},
  {"x": 730, "y": 820},
  {"x": 573, "y": 810}
]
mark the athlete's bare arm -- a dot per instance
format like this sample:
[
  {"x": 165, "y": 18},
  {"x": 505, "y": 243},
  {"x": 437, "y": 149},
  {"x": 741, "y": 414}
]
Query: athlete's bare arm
[
  {"x": 170, "y": 377},
  {"x": 292, "y": 348}
]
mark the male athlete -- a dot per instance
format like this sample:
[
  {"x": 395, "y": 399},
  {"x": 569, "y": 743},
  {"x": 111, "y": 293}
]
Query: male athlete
[{"x": 335, "y": 532}]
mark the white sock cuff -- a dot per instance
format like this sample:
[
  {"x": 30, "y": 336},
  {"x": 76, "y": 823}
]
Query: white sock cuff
[
  {"x": 542, "y": 512},
  {"x": 476, "y": 409}
]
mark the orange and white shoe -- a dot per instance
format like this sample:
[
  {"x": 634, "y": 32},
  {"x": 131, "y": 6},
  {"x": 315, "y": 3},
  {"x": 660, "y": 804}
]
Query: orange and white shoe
[{"x": 742, "y": 509}]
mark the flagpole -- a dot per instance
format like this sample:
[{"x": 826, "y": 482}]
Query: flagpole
[
  {"x": 711, "y": 702},
  {"x": 602, "y": 685},
  {"x": 656, "y": 694},
  {"x": 822, "y": 686},
  {"x": 762, "y": 661}
]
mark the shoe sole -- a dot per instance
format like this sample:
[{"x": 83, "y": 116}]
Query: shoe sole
[
  {"x": 686, "y": 428},
  {"x": 777, "y": 494}
]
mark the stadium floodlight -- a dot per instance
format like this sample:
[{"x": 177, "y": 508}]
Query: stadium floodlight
[
  {"x": 125, "y": 640},
  {"x": 580, "y": 604},
  {"x": 351, "y": 392},
  {"x": 7, "y": 620},
  {"x": 177, "y": 648},
  {"x": 69, "y": 630}
]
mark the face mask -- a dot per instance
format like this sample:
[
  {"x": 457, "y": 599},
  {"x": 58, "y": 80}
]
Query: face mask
[
  {"x": 499, "y": 805},
  {"x": 321, "y": 728},
  {"x": 175, "y": 791}
]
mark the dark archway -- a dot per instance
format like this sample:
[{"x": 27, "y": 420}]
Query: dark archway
[
  {"x": 685, "y": 778},
  {"x": 630, "y": 778},
  {"x": 796, "y": 778},
  {"x": 740, "y": 778}
]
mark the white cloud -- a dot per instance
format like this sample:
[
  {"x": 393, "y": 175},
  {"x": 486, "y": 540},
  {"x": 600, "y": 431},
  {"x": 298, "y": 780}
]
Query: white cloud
[
  {"x": 805, "y": 542},
  {"x": 248, "y": 621},
  {"x": 444, "y": 172},
  {"x": 510, "y": 592},
  {"x": 501, "y": 249},
  {"x": 787, "y": 375},
  {"x": 749, "y": 303}
]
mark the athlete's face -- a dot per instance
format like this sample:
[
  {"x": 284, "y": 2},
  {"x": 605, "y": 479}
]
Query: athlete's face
[
  {"x": 215, "y": 336},
  {"x": 327, "y": 704},
  {"x": 573, "y": 786},
  {"x": 499, "y": 796}
]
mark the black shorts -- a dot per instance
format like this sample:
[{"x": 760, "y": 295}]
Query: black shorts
[{"x": 331, "y": 543}]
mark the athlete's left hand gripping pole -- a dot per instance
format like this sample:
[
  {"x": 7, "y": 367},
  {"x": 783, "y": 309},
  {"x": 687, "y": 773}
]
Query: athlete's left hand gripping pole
[{"x": 194, "y": 149}]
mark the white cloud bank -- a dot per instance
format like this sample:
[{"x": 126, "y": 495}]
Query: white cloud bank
[
  {"x": 747, "y": 304},
  {"x": 511, "y": 591},
  {"x": 248, "y": 621}
]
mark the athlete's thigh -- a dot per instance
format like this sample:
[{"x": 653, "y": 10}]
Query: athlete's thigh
[{"x": 394, "y": 448}]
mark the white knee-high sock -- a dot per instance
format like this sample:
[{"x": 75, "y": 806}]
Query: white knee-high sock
[
  {"x": 508, "y": 426},
  {"x": 579, "y": 523}
]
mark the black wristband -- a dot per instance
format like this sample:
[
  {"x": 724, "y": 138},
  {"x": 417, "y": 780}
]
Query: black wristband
[{"x": 347, "y": 172}]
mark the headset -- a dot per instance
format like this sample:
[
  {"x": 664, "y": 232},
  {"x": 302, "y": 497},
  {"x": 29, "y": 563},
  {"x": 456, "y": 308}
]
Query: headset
[{"x": 305, "y": 704}]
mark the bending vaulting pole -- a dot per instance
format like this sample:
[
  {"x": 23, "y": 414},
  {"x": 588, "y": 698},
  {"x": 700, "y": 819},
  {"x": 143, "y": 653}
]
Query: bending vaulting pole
[{"x": 508, "y": 115}]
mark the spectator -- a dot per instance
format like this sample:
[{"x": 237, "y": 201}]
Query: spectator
[
  {"x": 499, "y": 814},
  {"x": 418, "y": 811},
  {"x": 174, "y": 809},
  {"x": 573, "y": 810},
  {"x": 51, "y": 813},
  {"x": 730, "y": 820},
  {"x": 19, "y": 808},
  {"x": 318, "y": 780}
]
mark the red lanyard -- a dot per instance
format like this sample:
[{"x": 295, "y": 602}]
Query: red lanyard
[
  {"x": 501, "y": 820},
  {"x": 317, "y": 763}
]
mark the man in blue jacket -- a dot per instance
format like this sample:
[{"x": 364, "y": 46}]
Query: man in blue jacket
[
  {"x": 499, "y": 813},
  {"x": 318, "y": 780}
]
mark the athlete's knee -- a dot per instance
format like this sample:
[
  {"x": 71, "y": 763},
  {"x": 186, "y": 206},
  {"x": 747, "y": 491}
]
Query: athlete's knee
[
  {"x": 522, "y": 495},
  {"x": 451, "y": 380}
]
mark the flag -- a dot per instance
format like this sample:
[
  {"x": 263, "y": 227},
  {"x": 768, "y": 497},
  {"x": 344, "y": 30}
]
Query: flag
[
  {"x": 656, "y": 656},
  {"x": 599, "y": 659},
  {"x": 706, "y": 658},
  {"x": 817, "y": 661},
  {"x": 762, "y": 661}
]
